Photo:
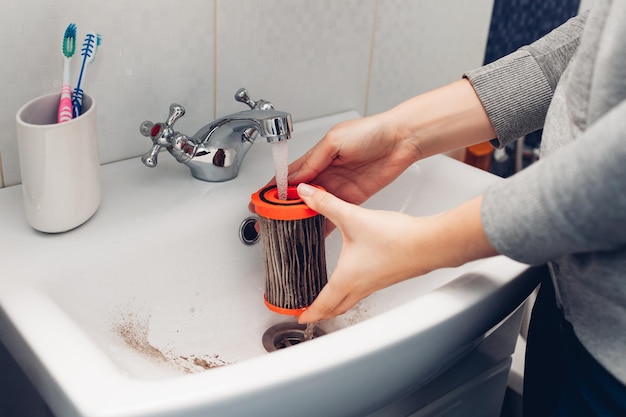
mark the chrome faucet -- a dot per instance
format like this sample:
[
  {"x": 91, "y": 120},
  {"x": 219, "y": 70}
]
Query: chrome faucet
[{"x": 216, "y": 151}]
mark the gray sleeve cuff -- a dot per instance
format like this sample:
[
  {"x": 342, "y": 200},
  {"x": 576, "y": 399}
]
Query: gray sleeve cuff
[{"x": 515, "y": 94}]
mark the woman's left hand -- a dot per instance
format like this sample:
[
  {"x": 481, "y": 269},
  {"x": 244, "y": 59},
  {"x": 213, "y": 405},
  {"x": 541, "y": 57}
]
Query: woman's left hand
[{"x": 382, "y": 248}]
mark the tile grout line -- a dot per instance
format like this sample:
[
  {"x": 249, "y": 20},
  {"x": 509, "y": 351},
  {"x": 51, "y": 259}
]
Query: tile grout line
[{"x": 371, "y": 58}]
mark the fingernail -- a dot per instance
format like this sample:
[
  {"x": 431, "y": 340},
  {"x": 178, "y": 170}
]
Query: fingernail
[
  {"x": 305, "y": 190},
  {"x": 292, "y": 175}
]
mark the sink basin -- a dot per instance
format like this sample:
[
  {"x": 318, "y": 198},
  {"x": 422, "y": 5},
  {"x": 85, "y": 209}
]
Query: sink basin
[{"x": 154, "y": 307}]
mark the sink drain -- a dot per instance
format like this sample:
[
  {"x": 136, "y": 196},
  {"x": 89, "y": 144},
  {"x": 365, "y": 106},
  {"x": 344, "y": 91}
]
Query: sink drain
[
  {"x": 247, "y": 231},
  {"x": 284, "y": 335}
]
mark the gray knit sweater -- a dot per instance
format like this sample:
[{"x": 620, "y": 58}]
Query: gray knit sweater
[{"x": 569, "y": 208}]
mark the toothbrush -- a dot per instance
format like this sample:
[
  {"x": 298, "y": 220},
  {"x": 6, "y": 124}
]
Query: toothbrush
[
  {"x": 69, "y": 47},
  {"x": 88, "y": 52}
]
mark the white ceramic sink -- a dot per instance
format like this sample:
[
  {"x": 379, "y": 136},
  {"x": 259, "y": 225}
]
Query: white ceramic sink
[{"x": 154, "y": 307}]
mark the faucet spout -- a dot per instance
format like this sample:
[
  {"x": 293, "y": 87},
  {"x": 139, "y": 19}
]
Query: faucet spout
[
  {"x": 271, "y": 124},
  {"x": 216, "y": 151}
]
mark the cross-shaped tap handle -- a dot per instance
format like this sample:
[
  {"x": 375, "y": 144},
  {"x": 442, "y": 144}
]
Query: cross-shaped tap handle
[
  {"x": 161, "y": 134},
  {"x": 176, "y": 112}
]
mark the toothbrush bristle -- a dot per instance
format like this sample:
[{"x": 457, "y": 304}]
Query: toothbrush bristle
[
  {"x": 98, "y": 43},
  {"x": 69, "y": 40}
]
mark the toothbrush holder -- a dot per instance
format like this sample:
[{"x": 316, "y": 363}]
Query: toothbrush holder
[{"x": 59, "y": 164}]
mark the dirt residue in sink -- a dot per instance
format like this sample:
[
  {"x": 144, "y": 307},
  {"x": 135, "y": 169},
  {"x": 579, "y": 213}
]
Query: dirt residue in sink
[
  {"x": 134, "y": 333},
  {"x": 135, "y": 336}
]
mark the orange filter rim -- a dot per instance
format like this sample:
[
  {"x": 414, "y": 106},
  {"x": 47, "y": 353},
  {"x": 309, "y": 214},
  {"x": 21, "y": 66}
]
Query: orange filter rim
[
  {"x": 285, "y": 311},
  {"x": 268, "y": 205}
]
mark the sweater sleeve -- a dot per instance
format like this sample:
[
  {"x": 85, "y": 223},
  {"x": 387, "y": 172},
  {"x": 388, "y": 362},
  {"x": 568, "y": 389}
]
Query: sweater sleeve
[
  {"x": 570, "y": 202},
  {"x": 516, "y": 90}
]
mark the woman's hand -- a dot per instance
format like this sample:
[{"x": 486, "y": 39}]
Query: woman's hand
[
  {"x": 381, "y": 248},
  {"x": 357, "y": 158}
]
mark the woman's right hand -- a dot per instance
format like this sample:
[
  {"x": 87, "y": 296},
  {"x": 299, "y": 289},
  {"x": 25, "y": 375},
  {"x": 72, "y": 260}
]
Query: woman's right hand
[
  {"x": 357, "y": 158},
  {"x": 381, "y": 248}
]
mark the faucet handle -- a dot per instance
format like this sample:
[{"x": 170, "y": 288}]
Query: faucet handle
[
  {"x": 242, "y": 96},
  {"x": 163, "y": 134},
  {"x": 176, "y": 112},
  {"x": 153, "y": 130}
]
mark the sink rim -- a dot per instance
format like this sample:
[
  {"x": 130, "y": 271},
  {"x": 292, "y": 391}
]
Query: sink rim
[{"x": 275, "y": 369}]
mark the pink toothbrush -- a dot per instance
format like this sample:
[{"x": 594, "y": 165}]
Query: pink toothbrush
[{"x": 69, "y": 47}]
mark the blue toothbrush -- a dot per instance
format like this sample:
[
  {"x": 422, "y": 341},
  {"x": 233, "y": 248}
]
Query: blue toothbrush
[{"x": 88, "y": 52}]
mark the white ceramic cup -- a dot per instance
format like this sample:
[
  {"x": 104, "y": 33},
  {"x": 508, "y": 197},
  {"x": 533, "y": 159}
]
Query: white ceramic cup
[{"x": 59, "y": 164}]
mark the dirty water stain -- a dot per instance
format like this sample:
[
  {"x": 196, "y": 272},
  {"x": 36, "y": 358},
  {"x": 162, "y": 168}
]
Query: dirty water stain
[{"x": 134, "y": 333}]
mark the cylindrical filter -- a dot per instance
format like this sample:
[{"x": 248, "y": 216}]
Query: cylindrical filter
[{"x": 294, "y": 253}]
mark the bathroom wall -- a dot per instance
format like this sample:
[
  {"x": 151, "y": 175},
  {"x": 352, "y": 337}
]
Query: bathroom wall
[
  {"x": 311, "y": 58},
  {"x": 585, "y": 4}
]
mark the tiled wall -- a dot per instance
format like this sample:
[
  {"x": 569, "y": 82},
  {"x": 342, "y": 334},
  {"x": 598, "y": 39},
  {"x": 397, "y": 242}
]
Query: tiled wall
[{"x": 311, "y": 58}]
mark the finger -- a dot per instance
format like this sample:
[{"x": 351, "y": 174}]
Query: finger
[
  {"x": 321, "y": 310},
  {"x": 331, "y": 207},
  {"x": 324, "y": 306}
]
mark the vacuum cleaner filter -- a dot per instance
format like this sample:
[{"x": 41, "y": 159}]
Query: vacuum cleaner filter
[{"x": 294, "y": 254}]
